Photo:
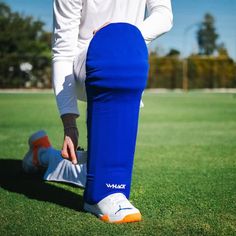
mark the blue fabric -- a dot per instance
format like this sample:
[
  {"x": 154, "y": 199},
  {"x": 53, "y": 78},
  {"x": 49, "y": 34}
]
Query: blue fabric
[
  {"x": 59, "y": 169},
  {"x": 117, "y": 69}
]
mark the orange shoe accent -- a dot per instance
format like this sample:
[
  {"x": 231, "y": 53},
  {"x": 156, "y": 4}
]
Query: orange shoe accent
[
  {"x": 41, "y": 142},
  {"x": 127, "y": 219},
  {"x": 130, "y": 218},
  {"x": 105, "y": 218}
]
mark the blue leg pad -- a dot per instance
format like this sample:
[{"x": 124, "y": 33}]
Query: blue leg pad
[{"x": 117, "y": 69}]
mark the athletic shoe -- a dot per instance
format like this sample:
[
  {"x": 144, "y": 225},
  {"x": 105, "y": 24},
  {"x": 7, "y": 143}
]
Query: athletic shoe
[
  {"x": 114, "y": 208},
  {"x": 37, "y": 140}
]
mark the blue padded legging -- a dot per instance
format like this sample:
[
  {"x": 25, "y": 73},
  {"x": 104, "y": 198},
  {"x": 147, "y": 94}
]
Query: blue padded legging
[{"x": 116, "y": 75}]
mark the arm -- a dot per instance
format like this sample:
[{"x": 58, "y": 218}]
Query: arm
[
  {"x": 67, "y": 16},
  {"x": 159, "y": 21},
  {"x": 71, "y": 135}
]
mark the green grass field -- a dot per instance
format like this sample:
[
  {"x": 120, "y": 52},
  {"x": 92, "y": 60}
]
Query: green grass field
[{"x": 184, "y": 179}]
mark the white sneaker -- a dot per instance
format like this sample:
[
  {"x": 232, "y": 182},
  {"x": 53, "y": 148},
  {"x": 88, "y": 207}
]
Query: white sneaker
[
  {"x": 30, "y": 163},
  {"x": 114, "y": 208}
]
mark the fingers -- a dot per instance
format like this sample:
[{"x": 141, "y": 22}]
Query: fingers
[
  {"x": 72, "y": 154},
  {"x": 71, "y": 135},
  {"x": 68, "y": 150},
  {"x": 64, "y": 151}
]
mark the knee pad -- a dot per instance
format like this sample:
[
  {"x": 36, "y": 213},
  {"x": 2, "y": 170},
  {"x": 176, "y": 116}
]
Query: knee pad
[{"x": 116, "y": 75}]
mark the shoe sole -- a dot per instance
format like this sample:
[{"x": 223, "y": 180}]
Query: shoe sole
[
  {"x": 127, "y": 219},
  {"x": 37, "y": 135},
  {"x": 134, "y": 217},
  {"x": 31, "y": 168}
]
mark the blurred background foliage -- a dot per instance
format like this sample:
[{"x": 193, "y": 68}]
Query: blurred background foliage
[
  {"x": 25, "y": 60},
  {"x": 202, "y": 71},
  {"x": 25, "y": 51}
]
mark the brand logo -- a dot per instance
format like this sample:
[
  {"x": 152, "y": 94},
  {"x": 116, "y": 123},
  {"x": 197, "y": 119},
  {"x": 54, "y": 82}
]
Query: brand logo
[
  {"x": 116, "y": 186},
  {"x": 124, "y": 208}
]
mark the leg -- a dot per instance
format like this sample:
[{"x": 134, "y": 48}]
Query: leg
[
  {"x": 117, "y": 66},
  {"x": 79, "y": 71},
  {"x": 42, "y": 155},
  {"x": 62, "y": 170}
]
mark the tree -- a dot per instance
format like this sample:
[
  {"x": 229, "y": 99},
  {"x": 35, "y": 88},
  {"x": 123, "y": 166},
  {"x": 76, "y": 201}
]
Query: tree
[
  {"x": 22, "y": 40},
  {"x": 207, "y": 36},
  {"x": 222, "y": 51},
  {"x": 173, "y": 53}
]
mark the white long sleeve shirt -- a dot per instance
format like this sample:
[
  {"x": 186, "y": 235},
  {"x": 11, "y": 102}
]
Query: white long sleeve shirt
[{"x": 74, "y": 23}]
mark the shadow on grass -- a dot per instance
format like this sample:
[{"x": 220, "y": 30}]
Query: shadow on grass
[{"x": 13, "y": 179}]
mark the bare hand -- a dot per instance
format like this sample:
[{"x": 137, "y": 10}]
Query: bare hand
[
  {"x": 71, "y": 136},
  {"x": 68, "y": 150}
]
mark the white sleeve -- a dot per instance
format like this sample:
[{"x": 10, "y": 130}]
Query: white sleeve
[
  {"x": 159, "y": 20},
  {"x": 67, "y": 14}
]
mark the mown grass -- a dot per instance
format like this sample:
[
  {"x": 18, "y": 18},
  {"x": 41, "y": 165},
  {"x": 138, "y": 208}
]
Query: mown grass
[{"x": 184, "y": 179}]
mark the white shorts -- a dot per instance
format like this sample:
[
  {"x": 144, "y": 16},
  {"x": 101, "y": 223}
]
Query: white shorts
[{"x": 79, "y": 70}]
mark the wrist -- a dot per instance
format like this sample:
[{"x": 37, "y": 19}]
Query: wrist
[{"x": 69, "y": 121}]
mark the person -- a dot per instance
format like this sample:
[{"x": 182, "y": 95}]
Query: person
[{"x": 99, "y": 56}]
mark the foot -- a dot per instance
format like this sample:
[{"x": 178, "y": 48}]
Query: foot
[
  {"x": 114, "y": 208},
  {"x": 37, "y": 140}
]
